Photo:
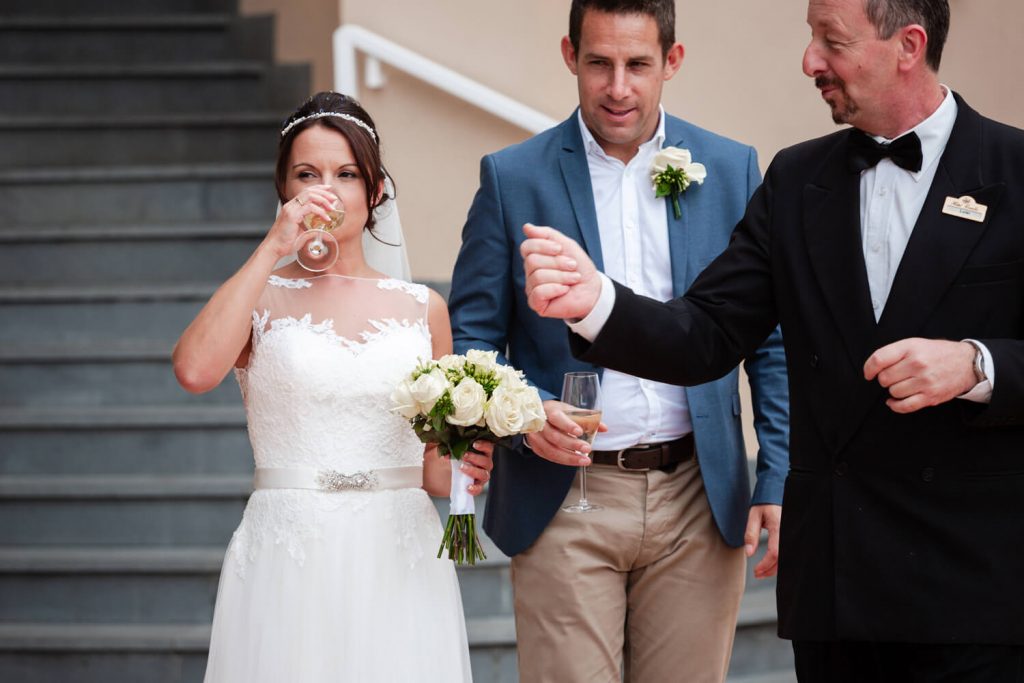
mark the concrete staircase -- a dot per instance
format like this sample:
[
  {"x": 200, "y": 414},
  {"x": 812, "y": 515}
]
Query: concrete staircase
[{"x": 138, "y": 139}]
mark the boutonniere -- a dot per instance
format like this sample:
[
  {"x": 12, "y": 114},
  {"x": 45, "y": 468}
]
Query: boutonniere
[{"x": 672, "y": 172}]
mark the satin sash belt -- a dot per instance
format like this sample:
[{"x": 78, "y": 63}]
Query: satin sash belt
[{"x": 332, "y": 480}]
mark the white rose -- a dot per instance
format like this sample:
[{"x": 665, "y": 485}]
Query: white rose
[
  {"x": 681, "y": 159},
  {"x": 509, "y": 377},
  {"x": 450, "y": 362},
  {"x": 468, "y": 400},
  {"x": 404, "y": 403},
  {"x": 504, "y": 413},
  {"x": 427, "y": 388},
  {"x": 532, "y": 408},
  {"x": 485, "y": 360}
]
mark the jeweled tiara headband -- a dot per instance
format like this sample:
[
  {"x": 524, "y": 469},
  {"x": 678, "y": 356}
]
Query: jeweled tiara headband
[{"x": 334, "y": 114}]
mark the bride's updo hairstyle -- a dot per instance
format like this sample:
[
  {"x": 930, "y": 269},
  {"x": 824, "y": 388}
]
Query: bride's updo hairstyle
[{"x": 345, "y": 115}]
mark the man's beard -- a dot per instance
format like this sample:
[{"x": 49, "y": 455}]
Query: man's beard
[{"x": 843, "y": 110}]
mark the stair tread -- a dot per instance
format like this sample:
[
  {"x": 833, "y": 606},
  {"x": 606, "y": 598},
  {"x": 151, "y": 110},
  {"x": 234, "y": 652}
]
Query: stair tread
[
  {"x": 73, "y": 233},
  {"x": 123, "y": 121},
  {"x": 114, "y": 417},
  {"x": 197, "y": 69},
  {"x": 114, "y": 173},
  {"x": 169, "y": 291},
  {"x": 115, "y": 350},
  {"x": 115, "y": 21},
  {"x": 107, "y": 559},
  {"x": 65, "y": 487},
  {"x": 27, "y": 637}
]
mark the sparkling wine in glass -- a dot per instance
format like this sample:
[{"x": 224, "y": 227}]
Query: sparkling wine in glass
[
  {"x": 581, "y": 392},
  {"x": 315, "y": 249}
]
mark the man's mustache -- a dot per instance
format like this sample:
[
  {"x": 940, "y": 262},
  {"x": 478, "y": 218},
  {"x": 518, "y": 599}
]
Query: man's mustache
[{"x": 827, "y": 81}]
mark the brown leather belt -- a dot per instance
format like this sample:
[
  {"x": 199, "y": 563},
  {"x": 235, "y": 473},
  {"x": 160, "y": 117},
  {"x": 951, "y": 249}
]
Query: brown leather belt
[{"x": 648, "y": 456}]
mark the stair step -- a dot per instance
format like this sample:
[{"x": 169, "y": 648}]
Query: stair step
[
  {"x": 16, "y": 8},
  {"x": 102, "y": 382},
  {"x": 119, "y": 195},
  {"x": 25, "y": 637},
  {"x": 34, "y": 141},
  {"x": 127, "y": 260},
  {"x": 129, "y": 87},
  {"x": 122, "y": 444},
  {"x": 122, "y": 417},
  {"x": 115, "y": 293},
  {"x": 89, "y": 39},
  {"x": 138, "y": 487},
  {"x": 138, "y": 232}
]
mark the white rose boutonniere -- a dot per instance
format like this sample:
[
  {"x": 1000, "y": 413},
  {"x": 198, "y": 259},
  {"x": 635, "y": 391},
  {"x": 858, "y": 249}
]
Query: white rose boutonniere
[{"x": 672, "y": 172}]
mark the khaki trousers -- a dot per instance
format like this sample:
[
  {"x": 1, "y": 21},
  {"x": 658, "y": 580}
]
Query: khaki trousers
[{"x": 644, "y": 591}]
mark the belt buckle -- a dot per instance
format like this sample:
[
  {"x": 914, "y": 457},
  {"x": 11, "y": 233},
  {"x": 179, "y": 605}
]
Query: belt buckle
[{"x": 618, "y": 462}]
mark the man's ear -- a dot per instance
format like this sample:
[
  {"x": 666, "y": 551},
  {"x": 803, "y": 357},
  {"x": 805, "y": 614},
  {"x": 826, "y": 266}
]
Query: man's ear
[
  {"x": 913, "y": 46},
  {"x": 569, "y": 54},
  {"x": 674, "y": 60}
]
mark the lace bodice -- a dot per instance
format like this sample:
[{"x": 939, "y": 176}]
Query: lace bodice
[{"x": 327, "y": 351}]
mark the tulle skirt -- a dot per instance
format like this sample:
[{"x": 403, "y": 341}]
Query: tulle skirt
[{"x": 321, "y": 587}]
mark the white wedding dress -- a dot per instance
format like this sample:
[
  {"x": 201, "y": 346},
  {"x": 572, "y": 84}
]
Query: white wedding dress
[{"x": 332, "y": 574}]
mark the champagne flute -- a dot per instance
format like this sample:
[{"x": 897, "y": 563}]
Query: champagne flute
[
  {"x": 315, "y": 249},
  {"x": 581, "y": 392}
]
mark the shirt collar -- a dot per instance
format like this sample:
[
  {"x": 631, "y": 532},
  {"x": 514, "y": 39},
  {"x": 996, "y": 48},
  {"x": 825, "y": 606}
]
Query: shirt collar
[
  {"x": 934, "y": 132},
  {"x": 593, "y": 148}
]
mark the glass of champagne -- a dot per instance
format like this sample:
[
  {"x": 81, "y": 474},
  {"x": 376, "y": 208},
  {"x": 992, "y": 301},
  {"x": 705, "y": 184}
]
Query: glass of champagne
[
  {"x": 315, "y": 249},
  {"x": 581, "y": 392}
]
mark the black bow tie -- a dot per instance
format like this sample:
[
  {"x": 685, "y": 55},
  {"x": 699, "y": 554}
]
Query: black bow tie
[{"x": 865, "y": 153}]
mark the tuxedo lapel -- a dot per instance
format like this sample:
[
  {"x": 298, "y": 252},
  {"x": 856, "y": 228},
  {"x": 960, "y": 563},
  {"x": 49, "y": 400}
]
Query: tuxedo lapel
[
  {"x": 572, "y": 160},
  {"x": 831, "y": 224},
  {"x": 939, "y": 244}
]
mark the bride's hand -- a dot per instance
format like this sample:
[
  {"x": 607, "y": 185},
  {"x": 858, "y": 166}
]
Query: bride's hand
[
  {"x": 478, "y": 465},
  {"x": 315, "y": 199}
]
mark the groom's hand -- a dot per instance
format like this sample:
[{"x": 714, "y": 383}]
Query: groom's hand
[
  {"x": 768, "y": 518},
  {"x": 561, "y": 280},
  {"x": 558, "y": 441}
]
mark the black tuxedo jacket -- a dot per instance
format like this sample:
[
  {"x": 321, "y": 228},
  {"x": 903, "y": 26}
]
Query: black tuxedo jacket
[{"x": 895, "y": 527}]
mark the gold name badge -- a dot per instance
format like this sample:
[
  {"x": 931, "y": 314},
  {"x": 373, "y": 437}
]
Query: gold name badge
[{"x": 965, "y": 207}]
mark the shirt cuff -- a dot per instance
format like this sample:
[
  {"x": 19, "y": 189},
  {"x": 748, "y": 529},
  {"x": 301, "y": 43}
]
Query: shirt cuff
[
  {"x": 982, "y": 391},
  {"x": 591, "y": 326}
]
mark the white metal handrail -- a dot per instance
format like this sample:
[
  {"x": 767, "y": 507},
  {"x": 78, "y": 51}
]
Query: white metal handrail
[{"x": 350, "y": 38}]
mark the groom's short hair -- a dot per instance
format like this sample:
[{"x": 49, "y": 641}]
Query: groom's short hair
[{"x": 662, "y": 11}]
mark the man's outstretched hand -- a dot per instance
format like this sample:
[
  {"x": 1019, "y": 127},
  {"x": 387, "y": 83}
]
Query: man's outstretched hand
[{"x": 561, "y": 280}]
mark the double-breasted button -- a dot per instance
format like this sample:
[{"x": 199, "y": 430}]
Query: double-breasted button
[
  {"x": 841, "y": 468},
  {"x": 814, "y": 360},
  {"x": 928, "y": 474}
]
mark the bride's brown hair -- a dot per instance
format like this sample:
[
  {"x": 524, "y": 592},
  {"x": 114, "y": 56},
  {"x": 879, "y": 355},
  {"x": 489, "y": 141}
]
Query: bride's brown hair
[{"x": 364, "y": 140}]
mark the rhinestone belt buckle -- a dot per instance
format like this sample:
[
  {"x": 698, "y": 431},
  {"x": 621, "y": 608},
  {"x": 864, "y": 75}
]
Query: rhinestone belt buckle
[{"x": 332, "y": 480}]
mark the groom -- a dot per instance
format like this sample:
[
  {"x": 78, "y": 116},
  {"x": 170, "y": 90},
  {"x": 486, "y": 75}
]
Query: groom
[{"x": 653, "y": 581}]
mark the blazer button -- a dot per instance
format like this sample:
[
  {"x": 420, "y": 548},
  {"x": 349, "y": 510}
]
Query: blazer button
[
  {"x": 841, "y": 468},
  {"x": 928, "y": 474},
  {"x": 814, "y": 360}
]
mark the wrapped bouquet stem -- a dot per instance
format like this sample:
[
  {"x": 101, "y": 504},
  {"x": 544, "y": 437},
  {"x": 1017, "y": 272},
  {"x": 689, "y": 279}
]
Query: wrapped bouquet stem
[{"x": 454, "y": 401}]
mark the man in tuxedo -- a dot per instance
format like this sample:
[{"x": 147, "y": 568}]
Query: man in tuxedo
[
  {"x": 892, "y": 254},
  {"x": 658, "y": 573}
]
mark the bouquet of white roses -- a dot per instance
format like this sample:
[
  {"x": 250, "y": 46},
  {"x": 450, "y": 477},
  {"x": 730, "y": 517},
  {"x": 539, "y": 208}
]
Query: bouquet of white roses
[{"x": 454, "y": 401}]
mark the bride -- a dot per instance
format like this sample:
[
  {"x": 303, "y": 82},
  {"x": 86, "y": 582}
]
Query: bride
[{"x": 331, "y": 575}]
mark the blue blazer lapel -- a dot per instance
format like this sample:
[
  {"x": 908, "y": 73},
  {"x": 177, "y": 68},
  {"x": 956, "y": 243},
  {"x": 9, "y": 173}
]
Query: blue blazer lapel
[
  {"x": 572, "y": 159},
  {"x": 682, "y": 249}
]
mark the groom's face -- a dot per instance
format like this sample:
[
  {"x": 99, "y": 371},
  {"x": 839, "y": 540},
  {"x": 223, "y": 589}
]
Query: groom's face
[{"x": 620, "y": 70}]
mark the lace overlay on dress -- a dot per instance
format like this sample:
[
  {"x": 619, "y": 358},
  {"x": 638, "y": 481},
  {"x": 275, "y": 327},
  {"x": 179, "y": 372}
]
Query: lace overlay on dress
[{"x": 327, "y": 351}]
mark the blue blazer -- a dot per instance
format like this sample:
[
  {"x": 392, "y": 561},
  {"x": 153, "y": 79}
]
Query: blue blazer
[{"x": 546, "y": 181}]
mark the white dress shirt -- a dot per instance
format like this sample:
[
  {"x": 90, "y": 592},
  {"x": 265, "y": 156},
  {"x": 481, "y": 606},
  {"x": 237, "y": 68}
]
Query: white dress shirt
[
  {"x": 633, "y": 226},
  {"x": 891, "y": 199}
]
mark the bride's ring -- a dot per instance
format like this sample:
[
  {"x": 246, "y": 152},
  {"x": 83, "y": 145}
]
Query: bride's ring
[{"x": 300, "y": 200}]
